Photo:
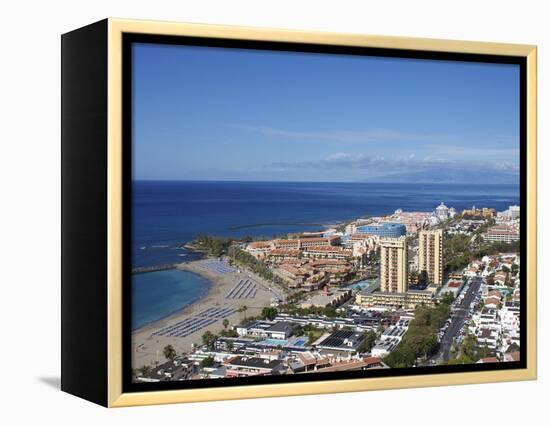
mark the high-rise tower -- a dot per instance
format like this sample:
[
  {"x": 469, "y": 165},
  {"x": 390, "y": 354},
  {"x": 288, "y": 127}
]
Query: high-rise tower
[
  {"x": 394, "y": 266},
  {"x": 430, "y": 255}
]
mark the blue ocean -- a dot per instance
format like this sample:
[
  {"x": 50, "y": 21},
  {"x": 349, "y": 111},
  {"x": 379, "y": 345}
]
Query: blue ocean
[{"x": 167, "y": 214}]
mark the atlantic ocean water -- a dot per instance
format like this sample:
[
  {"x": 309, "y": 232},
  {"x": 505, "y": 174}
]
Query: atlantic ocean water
[{"x": 167, "y": 214}]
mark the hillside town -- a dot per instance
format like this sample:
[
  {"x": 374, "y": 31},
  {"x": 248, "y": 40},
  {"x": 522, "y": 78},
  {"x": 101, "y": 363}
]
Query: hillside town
[{"x": 408, "y": 289}]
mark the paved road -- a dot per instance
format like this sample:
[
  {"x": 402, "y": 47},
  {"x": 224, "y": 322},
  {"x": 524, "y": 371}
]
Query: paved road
[{"x": 459, "y": 317}]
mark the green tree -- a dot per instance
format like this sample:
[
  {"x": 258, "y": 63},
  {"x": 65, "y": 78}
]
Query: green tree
[
  {"x": 145, "y": 370},
  {"x": 420, "y": 341},
  {"x": 368, "y": 342},
  {"x": 298, "y": 330},
  {"x": 225, "y": 323},
  {"x": 330, "y": 311},
  {"x": 461, "y": 359},
  {"x": 213, "y": 246},
  {"x": 269, "y": 313},
  {"x": 229, "y": 333},
  {"x": 208, "y": 339},
  {"x": 448, "y": 298},
  {"x": 207, "y": 362},
  {"x": 246, "y": 260},
  {"x": 169, "y": 352}
]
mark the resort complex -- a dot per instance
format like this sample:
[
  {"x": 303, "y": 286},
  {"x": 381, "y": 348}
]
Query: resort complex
[{"x": 407, "y": 289}]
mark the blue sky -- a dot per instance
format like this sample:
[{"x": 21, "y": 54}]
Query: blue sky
[{"x": 227, "y": 114}]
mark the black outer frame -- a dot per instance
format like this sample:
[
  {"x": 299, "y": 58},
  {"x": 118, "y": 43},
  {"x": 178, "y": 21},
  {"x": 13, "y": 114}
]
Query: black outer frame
[
  {"x": 84, "y": 212},
  {"x": 129, "y": 39}
]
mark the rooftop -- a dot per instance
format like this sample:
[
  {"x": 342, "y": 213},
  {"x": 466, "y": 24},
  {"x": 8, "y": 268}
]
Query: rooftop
[
  {"x": 254, "y": 362},
  {"x": 342, "y": 339},
  {"x": 281, "y": 326}
]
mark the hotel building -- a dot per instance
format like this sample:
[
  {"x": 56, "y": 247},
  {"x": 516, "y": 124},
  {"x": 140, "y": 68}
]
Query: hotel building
[
  {"x": 442, "y": 212},
  {"x": 383, "y": 230},
  {"x": 430, "y": 255},
  {"x": 502, "y": 233},
  {"x": 393, "y": 265},
  {"x": 409, "y": 300}
]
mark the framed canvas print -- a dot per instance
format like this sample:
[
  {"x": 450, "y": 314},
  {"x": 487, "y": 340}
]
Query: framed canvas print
[{"x": 254, "y": 212}]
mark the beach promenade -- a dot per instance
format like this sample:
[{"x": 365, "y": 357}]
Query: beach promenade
[{"x": 231, "y": 290}]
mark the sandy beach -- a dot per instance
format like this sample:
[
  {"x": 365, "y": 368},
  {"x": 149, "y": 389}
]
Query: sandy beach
[{"x": 148, "y": 349}]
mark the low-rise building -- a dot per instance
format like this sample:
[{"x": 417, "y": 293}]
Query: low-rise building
[
  {"x": 452, "y": 286},
  {"x": 513, "y": 356},
  {"x": 243, "y": 366},
  {"x": 259, "y": 249},
  {"x": 328, "y": 298},
  {"x": 487, "y": 360},
  {"x": 266, "y": 329},
  {"x": 178, "y": 369},
  {"x": 500, "y": 278},
  {"x": 492, "y": 302},
  {"x": 384, "y": 347},
  {"x": 354, "y": 365},
  {"x": 502, "y": 233},
  {"x": 409, "y": 300},
  {"x": 393, "y": 332},
  {"x": 358, "y": 323},
  {"x": 488, "y": 337},
  {"x": 341, "y": 341},
  {"x": 306, "y": 362},
  {"x": 327, "y": 252}
]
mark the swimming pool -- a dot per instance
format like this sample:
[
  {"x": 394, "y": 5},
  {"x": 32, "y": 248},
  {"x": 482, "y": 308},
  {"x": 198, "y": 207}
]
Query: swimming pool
[{"x": 274, "y": 342}]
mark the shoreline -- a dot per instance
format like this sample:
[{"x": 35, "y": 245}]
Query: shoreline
[
  {"x": 210, "y": 278},
  {"x": 180, "y": 310},
  {"x": 147, "y": 348}
]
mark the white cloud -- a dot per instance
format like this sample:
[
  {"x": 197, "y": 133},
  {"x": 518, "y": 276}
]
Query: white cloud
[
  {"x": 364, "y": 136},
  {"x": 380, "y": 164},
  {"x": 496, "y": 152}
]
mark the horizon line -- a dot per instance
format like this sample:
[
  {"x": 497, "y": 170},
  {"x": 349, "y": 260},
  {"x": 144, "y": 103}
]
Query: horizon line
[{"x": 318, "y": 181}]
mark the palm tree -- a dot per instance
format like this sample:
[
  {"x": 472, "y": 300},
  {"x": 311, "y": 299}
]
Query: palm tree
[
  {"x": 169, "y": 352},
  {"x": 243, "y": 309},
  {"x": 225, "y": 323},
  {"x": 145, "y": 370},
  {"x": 208, "y": 339}
]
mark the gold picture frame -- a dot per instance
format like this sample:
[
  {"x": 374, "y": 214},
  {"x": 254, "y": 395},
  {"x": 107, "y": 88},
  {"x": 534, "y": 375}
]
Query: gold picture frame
[{"x": 114, "y": 30}]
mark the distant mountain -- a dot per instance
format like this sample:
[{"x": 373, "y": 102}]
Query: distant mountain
[{"x": 452, "y": 175}]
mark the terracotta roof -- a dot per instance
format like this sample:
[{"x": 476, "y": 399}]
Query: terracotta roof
[
  {"x": 371, "y": 360},
  {"x": 492, "y": 301},
  {"x": 487, "y": 360},
  {"x": 285, "y": 252},
  {"x": 329, "y": 249},
  {"x": 361, "y": 237},
  {"x": 331, "y": 262},
  {"x": 307, "y": 360},
  {"x": 345, "y": 366},
  {"x": 282, "y": 241},
  {"x": 260, "y": 244},
  {"x": 316, "y": 239},
  {"x": 512, "y": 356}
]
